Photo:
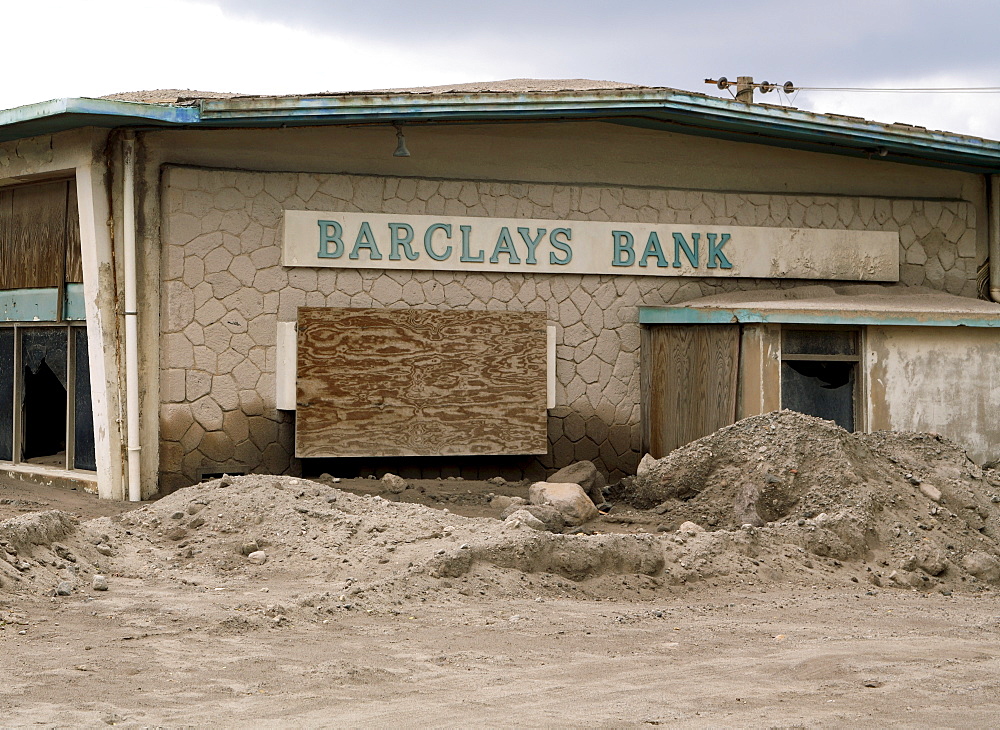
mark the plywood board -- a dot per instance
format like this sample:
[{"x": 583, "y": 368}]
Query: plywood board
[
  {"x": 403, "y": 382},
  {"x": 691, "y": 382},
  {"x": 33, "y": 236},
  {"x": 74, "y": 258}
]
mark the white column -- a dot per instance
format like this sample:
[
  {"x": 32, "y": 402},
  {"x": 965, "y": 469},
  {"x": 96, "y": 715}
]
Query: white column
[{"x": 102, "y": 337}]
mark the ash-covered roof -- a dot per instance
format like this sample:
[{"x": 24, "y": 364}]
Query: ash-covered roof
[
  {"x": 505, "y": 86},
  {"x": 521, "y": 100},
  {"x": 851, "y": 304},
  {"x": 167, "y": 96}
]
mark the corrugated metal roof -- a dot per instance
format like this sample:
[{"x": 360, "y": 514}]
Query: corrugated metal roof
[{"x": 521, "y": 100}]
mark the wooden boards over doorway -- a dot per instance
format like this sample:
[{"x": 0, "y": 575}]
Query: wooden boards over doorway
[
  {"x": 690, "y": 382},
  {"x": 417, "y": 382}
]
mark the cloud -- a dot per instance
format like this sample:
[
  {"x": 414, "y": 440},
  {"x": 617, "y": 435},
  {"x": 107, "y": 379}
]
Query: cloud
[
  {"x": 193, "y": 45},
  {"x": 308, "y": 46},
  {"x": 671, "y": 42}
]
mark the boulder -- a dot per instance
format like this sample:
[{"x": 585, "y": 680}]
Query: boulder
[
  {"x": 982, "y": 565},
  {"x": 523, "y": 517},
  {"x": 568, "y": 498},
  {"x": 394, "y": 484},
  {"x": 932, "y": 562},
  {"x": 549, "y": 516},
  {"x": 502, "y": 502},
  {"x": 586, "y": 475},
  {"x": 645, "y": 465},
  {"x": 691, "y": 528},
  {"x": 932, "y": 493}
]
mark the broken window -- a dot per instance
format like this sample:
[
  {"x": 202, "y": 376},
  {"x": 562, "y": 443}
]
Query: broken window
[
  {"x": 43, "y": 394},
  {"x": 819, "y": 373},
  {"x": 46, "y": 416},
  {"x": 45, "y": 406}
]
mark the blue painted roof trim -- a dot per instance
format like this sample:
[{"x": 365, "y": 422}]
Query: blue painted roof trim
[
  {"x": 657, "y": 108},
  {"x": 693, "y": 315},
  {"x": 60, "y": 115}
]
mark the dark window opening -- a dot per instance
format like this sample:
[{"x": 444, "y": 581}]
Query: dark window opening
[
  {"x": 819, "y": 373},
  {"x": 84, "y": 456},
  {"x": 821, "y": 389},
  {"x": 44, "y": 416}
]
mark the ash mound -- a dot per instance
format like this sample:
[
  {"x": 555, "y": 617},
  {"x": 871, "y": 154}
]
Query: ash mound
[
  {"x": 911, "y": 502},
  {"x": 780, "y": 497},
  {"x": 329, "y": 547}
]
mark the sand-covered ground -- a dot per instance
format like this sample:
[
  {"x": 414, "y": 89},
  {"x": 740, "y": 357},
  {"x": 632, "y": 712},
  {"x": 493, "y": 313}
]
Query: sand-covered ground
[{"x": 825, "y": 578}]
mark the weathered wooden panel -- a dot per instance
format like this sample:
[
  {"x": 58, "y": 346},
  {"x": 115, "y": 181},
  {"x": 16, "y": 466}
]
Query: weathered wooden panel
[
  {"x": 33, "y": 237},
  {"x": 74, "y": 258},
  {"x": 691, "y": 382},
  {"x": 759, "y": 388},
  {"x": 406, "y": 382}
]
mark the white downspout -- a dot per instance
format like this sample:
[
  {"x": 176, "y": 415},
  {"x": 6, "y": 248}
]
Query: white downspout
[
  {"x": 131, "y": 320},
  {"x": 993, "y": 231}
]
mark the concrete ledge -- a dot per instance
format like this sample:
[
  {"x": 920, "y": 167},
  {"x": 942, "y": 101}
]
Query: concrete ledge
[{"x": 51, "y": 476}]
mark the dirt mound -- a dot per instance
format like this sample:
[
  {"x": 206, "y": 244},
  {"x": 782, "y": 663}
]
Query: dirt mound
[
  {"x": 341, "y": 549},
  {"x": 778, "y": 497},
  {"x": 913, "y": 503},
  {"x": 41, "y": 550}
]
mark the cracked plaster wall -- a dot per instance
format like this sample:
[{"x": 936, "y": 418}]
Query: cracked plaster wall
[{"x": 223, "y": 291}]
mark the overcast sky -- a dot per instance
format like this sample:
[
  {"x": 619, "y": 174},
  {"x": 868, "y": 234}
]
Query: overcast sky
[{"x": 96, "y": 47}]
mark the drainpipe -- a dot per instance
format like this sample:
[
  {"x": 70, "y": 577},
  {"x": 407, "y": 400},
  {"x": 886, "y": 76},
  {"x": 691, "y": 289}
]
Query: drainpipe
[
  {"x": 993, "y": 229},
  {"x": 131, "y": 319}
]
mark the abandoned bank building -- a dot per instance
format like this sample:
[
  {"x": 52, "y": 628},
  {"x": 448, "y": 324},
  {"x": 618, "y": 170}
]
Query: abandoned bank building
[{"x": 483, "y": 279}]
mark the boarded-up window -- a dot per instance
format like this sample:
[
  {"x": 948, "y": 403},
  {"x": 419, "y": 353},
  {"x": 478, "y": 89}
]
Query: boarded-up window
[
  {"x": 690, "y": 376},
  {"x": 39, "y": 236},
  {"x": 397, "y": 382}
]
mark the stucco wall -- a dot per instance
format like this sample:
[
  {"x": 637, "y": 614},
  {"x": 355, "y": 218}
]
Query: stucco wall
[
  {"x": 939, "y": 379},
  {"x": 223, "y": 291}
]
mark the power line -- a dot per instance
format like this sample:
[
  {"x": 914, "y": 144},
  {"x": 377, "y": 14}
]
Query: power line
[{"x": 911, "y": 90}]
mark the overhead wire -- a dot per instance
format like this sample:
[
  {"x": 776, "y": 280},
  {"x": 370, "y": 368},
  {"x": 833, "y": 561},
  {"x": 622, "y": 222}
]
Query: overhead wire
[{"x": 911, "y": 90}]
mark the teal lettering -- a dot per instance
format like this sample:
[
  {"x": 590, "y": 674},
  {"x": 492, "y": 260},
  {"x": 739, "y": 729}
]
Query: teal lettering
[
  {"x": 562, "y": 245},
  {"x": 428, "y": 242},
  {"x": 326, "y": 238},
  {"x": 366, "y": 239},
  {"x": 715, "y": 252},
  {"x": 681, "y": 244},
  {"x": 653, "y": 248},
  {"x": 531, "y": 243},
  {"x": 624, "y": 254},
  {"x": 466, "y": 254},
  {"x": 504, "y": 245},
  {"x": 396, "y": 242}
]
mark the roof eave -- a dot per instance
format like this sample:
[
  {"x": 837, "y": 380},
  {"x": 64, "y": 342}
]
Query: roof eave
[
  {"x": 689, "y": 113},
  {"x": 658, "y": 108},
  {"x": 60, "y": 115}
]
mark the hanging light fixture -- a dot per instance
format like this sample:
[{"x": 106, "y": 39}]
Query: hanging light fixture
[{"x": 401, "y": 150}]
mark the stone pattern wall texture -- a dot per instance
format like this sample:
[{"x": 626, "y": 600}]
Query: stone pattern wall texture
[{"x": 224, "y": 290}]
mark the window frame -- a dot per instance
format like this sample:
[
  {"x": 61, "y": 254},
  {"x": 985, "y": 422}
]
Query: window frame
[
  {"x": 17, "y": 449},
  {"x": 860, "y": 373}
]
